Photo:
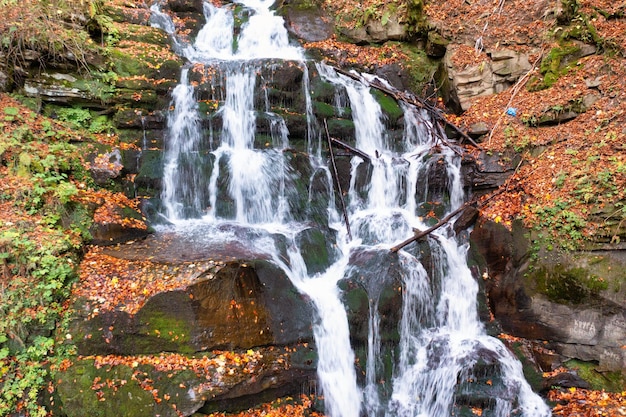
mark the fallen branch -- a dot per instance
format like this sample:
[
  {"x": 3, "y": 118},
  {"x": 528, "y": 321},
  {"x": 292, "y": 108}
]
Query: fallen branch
[
  {"x": 421, "y": 234},
  {"x": 474, "y": 202},
  {"x": 409, "y": 98},
  {"x": 349, "y": 148},
  {"x": 337, "y": 183}
]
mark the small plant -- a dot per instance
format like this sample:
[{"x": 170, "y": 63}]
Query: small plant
[{"x": 76, "y": 116}]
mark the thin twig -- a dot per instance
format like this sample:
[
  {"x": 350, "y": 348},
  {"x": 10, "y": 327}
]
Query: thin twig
[{"x": 337, "y": 183}]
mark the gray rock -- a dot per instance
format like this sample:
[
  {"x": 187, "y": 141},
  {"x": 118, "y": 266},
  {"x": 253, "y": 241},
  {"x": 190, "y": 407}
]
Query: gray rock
[
  {"x": 310, "y": 23},
  {"x": 581, "y": 321},
  {"x": 491, "y": 76},
  {"x": 478, "y": 129}
]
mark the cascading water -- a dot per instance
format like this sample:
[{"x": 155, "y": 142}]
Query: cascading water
[{"x": 238, "y": 185}]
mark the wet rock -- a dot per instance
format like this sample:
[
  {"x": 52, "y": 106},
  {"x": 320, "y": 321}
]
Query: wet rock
[
  {"x": 316, "y": 249},
  {"x": 368, "y": 286},
  {"x": 566, "y": 380},
  {"x": 148, "y": 181},
  {"x": 488, "y": 170},
  {"x": 183, "y": 6},
  {"x": 397, "y": 76},
  {"x": 466, "y": 220},
  {"x": 307, "y": 21},
  {"x": 238, "y": 305},
  {"x": 269, "y": 384}
]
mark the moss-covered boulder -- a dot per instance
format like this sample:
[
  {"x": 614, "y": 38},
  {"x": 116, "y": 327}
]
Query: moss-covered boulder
[
  {"x": 574, "y": 300},
  {"x": 183, "y": 306},
  {"x": 179, "y": 385}
]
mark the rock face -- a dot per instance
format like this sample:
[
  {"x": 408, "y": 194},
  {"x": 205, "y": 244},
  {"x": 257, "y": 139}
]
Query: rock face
[
  {"x": 499, "y": 72},
  {"x": 576, "y": 302}
]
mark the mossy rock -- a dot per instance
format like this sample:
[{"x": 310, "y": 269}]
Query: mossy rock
[
  {"x": 167, "y": 322},
  {"x": 316, "y": 249},
  {"x": 80, "y": 399},
  {"x": 151, "y": 165},
  {"x": 342, "y": 129},
  {"x": 597, "y": 378},
  {"x": 324, "y": 110},
  {"x": 125, "y": 62},
  {"x": 144, "y": 34},
  {"x": 146, "y": 99},
  {"x": 322, "y": 90},
  {"x": 420, "y": 67},
  {"x": 131, "y": 388},
  {"x": 388, "y": 105},
  {"x": 556, "y": 63},
  {"x": 568, "y": 285}
]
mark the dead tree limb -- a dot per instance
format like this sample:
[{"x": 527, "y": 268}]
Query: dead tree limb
[
  {"x": 349, "y": 148},
  {"x": 336, "y": 180},
  {"x": 474, "y": 202},
  {"x": 421, "y": 234},
  {"x": 415, "y": 101}
]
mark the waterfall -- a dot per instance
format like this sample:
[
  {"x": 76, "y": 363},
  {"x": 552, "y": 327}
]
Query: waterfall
[{"x": 238, "y": 187}]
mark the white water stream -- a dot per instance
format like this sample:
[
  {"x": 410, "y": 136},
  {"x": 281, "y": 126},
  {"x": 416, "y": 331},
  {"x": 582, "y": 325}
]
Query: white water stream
[{"x": 440, "y": 334}]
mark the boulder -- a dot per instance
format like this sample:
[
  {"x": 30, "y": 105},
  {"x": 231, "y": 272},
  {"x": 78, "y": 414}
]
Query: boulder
[
  {"x": 177, "y": 385},
  {"x": 307, "y": 21},
  {"x": 381, "y": 27},
  {"x": 488, "y": 171},
  {"x": 574, "y": 300},
  {"x": 237, "y": 305}
]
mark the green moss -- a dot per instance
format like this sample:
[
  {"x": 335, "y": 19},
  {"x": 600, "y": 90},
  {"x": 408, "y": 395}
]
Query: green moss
[
  {"x": 314, "y": 250},
  {"x": 144, "y": 34},
  {"x": 323, "y": 110},
  {"x": 420, "y": 67},
  {"x": 553, "y": 61},
  {"x": 568, "y": 285},
  {"x": 608, "y": 381},
  {"x": 322, "y": 90},
  {"x": 531, "y": 372},
  {"x": 128, "y": 65},
  {"x": 388, "y": 105},
  {"x": 340, "y": 127},
  {"x": 555, "y": 64},
  {"x": 418, "y": 23},
  {"x": 355, "y": 299}
]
